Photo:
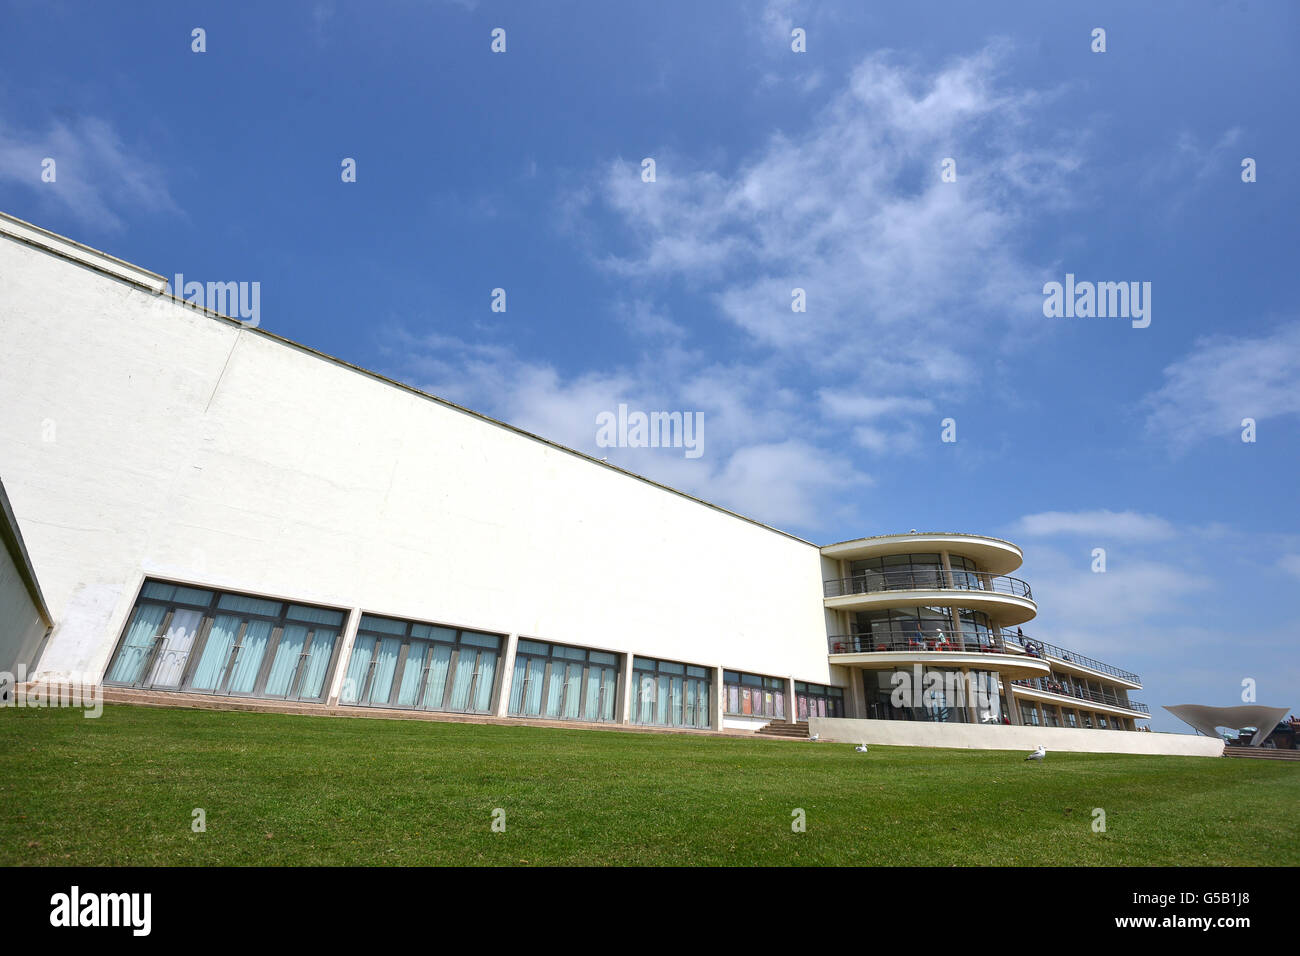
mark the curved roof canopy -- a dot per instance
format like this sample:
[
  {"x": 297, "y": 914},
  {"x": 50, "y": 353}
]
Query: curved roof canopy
[
  {"x": 1208, "y": 719},
  {"x": 991, "y": 554}
]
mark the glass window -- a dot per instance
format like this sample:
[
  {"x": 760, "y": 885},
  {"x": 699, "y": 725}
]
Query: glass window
[
  {"x": 430, "y": 632},
  {"x": 671, "y": 694},
  {"x": 382, "y": 625},
  {"x": 196, "y": 640},
  {"x": 563, "y": 682},
  {"x": 753, "y": 695},
  {"x": 249, "y": 605},
  {"x": 409, "y": 664}
]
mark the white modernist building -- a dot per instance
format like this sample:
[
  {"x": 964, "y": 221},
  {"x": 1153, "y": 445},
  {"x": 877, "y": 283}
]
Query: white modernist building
[{"x": 212, "y": 510}]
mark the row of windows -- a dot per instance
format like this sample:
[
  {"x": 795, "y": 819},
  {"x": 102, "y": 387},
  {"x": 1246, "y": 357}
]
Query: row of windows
[
  {"x": 817, "y": 700},
  {"x": 902, "y": 623},
  {"x": 670, "y": 694},
  {"x": 571, "y": 683},
  {"x": 408, "y": 665},
  {"x": 752, "y": 695},
  {"x": 190, "y": 639},
  {"x": 911, "y": 562},
  {"x": 200, "y": 640},
  {"x": 1047, "y": 715},
  {"x": 944, "y": 696}
]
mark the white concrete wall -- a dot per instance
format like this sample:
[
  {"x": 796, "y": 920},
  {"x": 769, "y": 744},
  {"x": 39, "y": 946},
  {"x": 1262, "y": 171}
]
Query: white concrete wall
[
  {"x": 908, "y": 733},
  {"x": 186, "y": 447},
  {"x": 749, "y": 723}
]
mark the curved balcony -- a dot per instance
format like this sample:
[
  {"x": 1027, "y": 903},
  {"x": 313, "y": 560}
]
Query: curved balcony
[
  {"x": 1006, "y": 599},
  {"x": 1068, "y": 660},
  {"x": 933, "y": 648},
  {"x": 1049, "y": 688}
]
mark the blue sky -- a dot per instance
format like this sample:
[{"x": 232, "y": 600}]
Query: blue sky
[{"x": 775, "y": 170}]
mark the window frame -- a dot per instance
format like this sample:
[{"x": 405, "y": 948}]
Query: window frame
[{"x": 209, "y": 613}]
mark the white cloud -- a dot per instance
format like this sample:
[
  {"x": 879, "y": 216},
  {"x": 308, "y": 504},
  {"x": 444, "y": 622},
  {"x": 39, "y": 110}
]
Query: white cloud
[
  {"x": 1101, "y": 525},
  {"x": 911, "y": 283},
  {"x": 840, "y": 404},
  {"x": 1204, "y": 162},
  {"x": 97, "y": 176},
  {"x": 1140, "y": 608},
  {"x": 647, "y": 320},
  {"x": 853, "y": 210},
  {"x": 1223, "y": 380}
]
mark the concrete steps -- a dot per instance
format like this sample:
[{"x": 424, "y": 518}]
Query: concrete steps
[
  {"x": 782, "y": 728},
  {"x": 1261, "y": 753}
]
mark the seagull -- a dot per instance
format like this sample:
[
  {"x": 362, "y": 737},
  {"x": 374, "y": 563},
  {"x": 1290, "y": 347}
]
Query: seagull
[
  {"x": 1038, "y": 754},
  {"x": 861, "y": 748},
  {"x": 815, "y": 737}
]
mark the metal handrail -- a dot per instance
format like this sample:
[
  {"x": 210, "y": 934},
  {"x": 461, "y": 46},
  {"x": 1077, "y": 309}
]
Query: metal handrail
[
  {"x": 1004, "y": 641},
  {"x": 1065, "y": 689},
  {"x": 1067, "y": 656},
  {"x": 930, "y": 579},
  {"x": 916, "y": 640}
]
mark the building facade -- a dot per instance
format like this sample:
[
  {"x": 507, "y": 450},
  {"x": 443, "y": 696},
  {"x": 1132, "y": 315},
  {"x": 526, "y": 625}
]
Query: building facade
[{"x": 211, "y": 509}]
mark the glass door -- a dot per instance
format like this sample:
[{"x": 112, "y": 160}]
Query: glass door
[
  {"x": 572, "y": 689},
  {"x": 169, "y": 663},
  {"x": 526, "y": 686},
  {"x": 300, "y": 661},
  {"x": 246, "y": 661},
  {"x": 383, "y": 669},
  {"x": 557, "y": 688},
  {"x": 218, "y": 650},
  {"x": 435, "y": 684},
  {"x": 484, "y": 681},
  {"x": 358, "y": 672},
  {"x": 602, "y": 689},
  {"x": 463, "y": 682},
  {"x": 414, "y": 672},
  {"x": 138, "y": 644}
]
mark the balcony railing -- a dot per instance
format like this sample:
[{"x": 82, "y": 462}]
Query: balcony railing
[
  {"x": 871, "y": 582},
  {"x": 997, "y": 642},
  {"x": 1065, "y": 688},
  {"x": 1034, "y": 646},
  {"x": 915, "y": 640}
]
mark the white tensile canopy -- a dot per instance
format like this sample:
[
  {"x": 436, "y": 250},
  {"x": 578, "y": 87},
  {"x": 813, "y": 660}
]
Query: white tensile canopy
[{"x": 1208, "y": 719}]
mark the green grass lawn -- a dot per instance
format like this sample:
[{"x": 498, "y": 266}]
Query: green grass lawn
[{"x": 326, "y": 790}]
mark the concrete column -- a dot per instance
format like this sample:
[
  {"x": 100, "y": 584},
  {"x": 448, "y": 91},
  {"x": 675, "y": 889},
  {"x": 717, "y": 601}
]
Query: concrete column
[
  {"x": 954, "y": 615},
  {"x": 718, "y": 704},
  {"x": 947, "y": 568},
  {"x": 507, "y": 675},
  {"x": 791, "y": 709},
  {"x": 625, "y": 692},
  {"x": 1013, "y": 704},
  {"x": 345, "y": 654},
  {"x": 856, "y": 694},
  {"x": 972, "y": 712}
]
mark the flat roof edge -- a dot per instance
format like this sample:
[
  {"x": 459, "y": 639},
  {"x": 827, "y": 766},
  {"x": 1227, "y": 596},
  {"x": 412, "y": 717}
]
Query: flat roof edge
[
  {"x": 66, "y": 248},
  {"x": 928, "y": 534}
]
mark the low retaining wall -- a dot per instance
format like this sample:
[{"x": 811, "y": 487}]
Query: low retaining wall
[{"x": 908, "y": 733}]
